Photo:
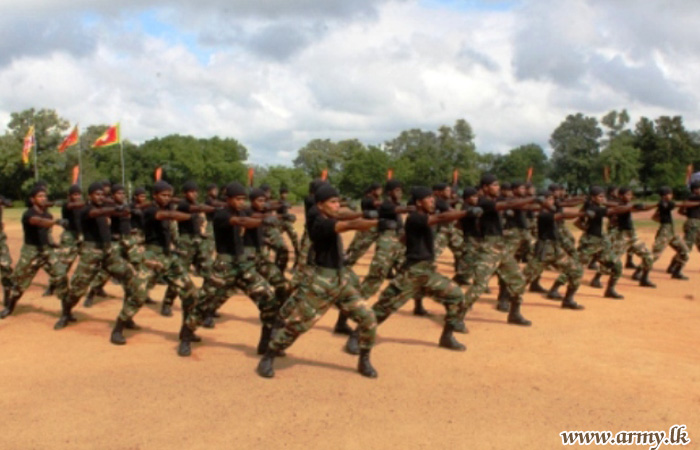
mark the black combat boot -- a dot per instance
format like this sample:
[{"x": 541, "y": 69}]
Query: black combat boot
[
  {"x": 184, "y": 348},
  {"x": 264, "y": 343},
  {"x": 341, "y": 326},
  {"x": 418, "y": 308},
  {"x": 677, "y": 273},
  {"x": 595, "y": 282},
  {"x": 100, "y": 292},
  {"x": 209, "y": 320},
  {"x": 65, "y": 315},
  {"x": 536, "y": 287},
  {"x": 131, "y": 325},
  {"x": 553, "y": 293},
  {"x": 166, "y": 310},
  {"x": 49, "y": 291},
  {"x": 447, "y": 339},
  {"x": 514, "y": 315},
  {"x": 503, "y": 297},
  {"x": 629, "y": 264},
  {"x": 637, "y": 275},
  {"x": 89, "y": 299},
  {"x": 265, "y": 366},
  {"x": 568, "y": 302},
  {"x": 352, "y": 346},
  {"x": 117, "y": 337},
  {"x": 364, "y": 366},
  {"x": 593, "y": 265},
  {"x": 644, "y": 280},
  {"x": 610, "y": 292},
  {"x": 672, "y": 267},
  {"x": 9, "y": 302},
  {"x": 149, "y": 301}
]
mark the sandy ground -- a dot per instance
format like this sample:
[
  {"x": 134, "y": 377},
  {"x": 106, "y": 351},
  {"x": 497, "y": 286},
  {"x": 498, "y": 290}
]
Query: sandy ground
[{"x": 618, "y": 365}]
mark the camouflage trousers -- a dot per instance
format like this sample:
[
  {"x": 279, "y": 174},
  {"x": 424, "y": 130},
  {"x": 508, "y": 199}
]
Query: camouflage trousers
[
  {"x": 627, "y": 242},
  {"x": 169, "y": 267},
  {"x": 389, "y": 252},
  {"x": 271, "y": 273},
  {"x": 208, "y": 239},
  {"x": 93, "y": 260},
  {"x": 494, "y": 257},
  {"x": 599, "y": 249},
  {"x": 309, "y": 303},
  {"x": 550, "y": 255},
  {"x": 520, "y": 242},
  {"x": 691, "y": 228},
  {"x": 303, "y": 272},
  {"x": 31, "y": 259},
  {"x": 451, "y": 236},
  {"x": 5, "y": 262},
  {"x": 420, "y": 279},
  {"x": 69, "y": 248},
  {"x": 470, "y": 252},
  {"x": 359, "y": 245},
  {"x": 130, "y": 250},
  {"x": 193, "y": 252},
  {"x": 666, "y": 236},
  {"x": 287, "y": 227},
  {"x": 236, "y": 273},
  {"x": 566, "y": 240}
]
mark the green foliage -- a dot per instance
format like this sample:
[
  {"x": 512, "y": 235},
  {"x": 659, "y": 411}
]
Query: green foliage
[
  {"x": 575, "y": 144},
  {"x": 515, "y": 164}
]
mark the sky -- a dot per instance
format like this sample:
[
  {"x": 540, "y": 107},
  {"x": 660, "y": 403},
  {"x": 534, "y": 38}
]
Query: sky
[{"x": 275, "y": 74}]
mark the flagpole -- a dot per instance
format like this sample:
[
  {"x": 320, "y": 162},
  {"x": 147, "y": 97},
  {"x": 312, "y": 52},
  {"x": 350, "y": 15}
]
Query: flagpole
[
  {"x": 121, "y": 150},
  {"x": 36, "y": 151},
  {"x": 80, "y": 164}
]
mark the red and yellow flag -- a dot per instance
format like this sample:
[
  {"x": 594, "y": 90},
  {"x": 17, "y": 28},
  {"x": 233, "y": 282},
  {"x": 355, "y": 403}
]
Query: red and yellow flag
[
  {"x": 76, "y": 174},
  {"x": 251, "y": 176},
  {"x": 158, "y": 173},
  {"x": 324, "y": 174},
  {"x": 109, "y": 137},
  {"x": 389, "y": 174},
  {"x": 455, "y": 177},
  {"x": 29, "y": 142},
  {"x": 69, "y": 141},
  {"x": 530, "y": 171}
]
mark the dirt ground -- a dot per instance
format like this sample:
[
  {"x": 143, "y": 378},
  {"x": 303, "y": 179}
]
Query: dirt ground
[{"x": 618, "y": 365}]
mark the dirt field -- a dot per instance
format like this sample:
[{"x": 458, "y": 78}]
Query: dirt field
[{"x": 617, "y": 365}]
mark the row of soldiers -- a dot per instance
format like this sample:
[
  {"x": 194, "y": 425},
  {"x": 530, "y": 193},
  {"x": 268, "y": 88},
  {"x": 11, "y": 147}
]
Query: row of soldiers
[{"x": 139, "y": 243}]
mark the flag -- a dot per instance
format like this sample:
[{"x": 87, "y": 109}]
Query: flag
[
  {"x": 455, "y": 177},
  {"x": 389, "y": 174},
  {"x": 251, "y": 176},
  {"x": 29, "y": 142},
  {"x": 606, "y": 174},
  {"x": 530, "y": 171},
  {"x": 158, "y": 173},
  {"x": 76, "y": 174},
  {"x": 69, "y": 141},
  {"x": 324, "y": 174},
  {"x": 688, "y": 173},
  {"x": 109, "y": 137}
]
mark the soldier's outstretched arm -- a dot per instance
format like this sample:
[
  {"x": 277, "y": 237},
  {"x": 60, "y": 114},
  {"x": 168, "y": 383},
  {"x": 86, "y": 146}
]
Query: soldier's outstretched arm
[
  {"x": 172, "y": 215},
  {"x": 342, "y": 226}
]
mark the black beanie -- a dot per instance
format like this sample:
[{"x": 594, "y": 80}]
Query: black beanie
[
  {"x": 391, "y": 185},
  {"x": 325, "y": 192},
  {"x": 235, "y": 189},
  {"x": 161, "y": 186},
  {"x": 487, "y": 180},
  {"x": 469, "y": 192},
  {"x": 421, "y": 192},
  {"x": 95, "y": 186},
  {"x": 117, "y": 187},
  {"x": 75, "y": 189},
  {"x": 256, "y": 193},
  {"x": 189, "y": 186}
]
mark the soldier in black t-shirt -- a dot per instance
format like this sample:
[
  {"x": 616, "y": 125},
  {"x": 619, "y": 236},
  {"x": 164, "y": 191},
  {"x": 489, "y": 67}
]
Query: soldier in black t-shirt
[
  {"x": 448, "y": 235},
  {"x": 300, "y": 260},
  {"x": 332, "y": 284},
  {"x": 37, "y": 252},
  {"x": 363, "y": 240},
  {"x": 691, "y": 227},
  {"x": 287, "y": 220},
  {"x": 666, "y": 234},
  {"x": 418, "y": 275}
]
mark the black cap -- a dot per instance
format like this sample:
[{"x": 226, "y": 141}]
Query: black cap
[
  {"x": 516, "y": 184},
  {"x": 265, "y": 187},
  {"x": 487, "y": 180},
  {"x": 665, "y": 190},
  {"x": 325, "y": 192},
  {"x": 596, "y": 191},
  {"x": 95, "y": 186},
  {"x": 421, "y": 192},
  {"x": 392, "y": 184},
  {"x": 469, "y": 192},
  {"x": 440, "y": 186},
  {"x": 189, "y": 186},
  {"x": 256, "y": 193},
  {"x": 139, "y": 191},
  {"x": 117, "y": 187},
  {"x": 75, "y": 189},
  {"x": 235, "y": 189},
  {"x": 161, "y": 186},
  {"x": 211, "y": 186}
]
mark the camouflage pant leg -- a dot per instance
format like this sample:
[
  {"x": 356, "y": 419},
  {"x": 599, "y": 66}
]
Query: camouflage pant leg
[
  {"x": 441, "y": 238},
  {"x": 455, "y": 242},
  {"x": 32, "y": 259},
  {"x": 666, "y": 236},
  {"x": 470, "y": 254},
  {"x": 523, "y": 246},
  {"x": 691, "y": 229},
  {"x": 186, "y": 252},
  {"x": 550, "y": 254},
  {"x": 387, "y": 250},
  {"x": 420, "y": 279},
  {"x": 208, "y": 242},
  {"x": 600, "y": 249},
  {"x": 309, "y": 305},
  {"x": 274, "y": 276},
  {"x": 302, "y": 260},
  {"x": 288, "y": 228},
  {"x": 359, "y": 245},
  {"x": 630, "y": 244},
  {"x": 275, "y": 242},
  {"x": 5, "y": 262},
  {"x": 69, "y": 248},
  {"x": 566, "y": 240},
  {"x": 495, "y": 258}
]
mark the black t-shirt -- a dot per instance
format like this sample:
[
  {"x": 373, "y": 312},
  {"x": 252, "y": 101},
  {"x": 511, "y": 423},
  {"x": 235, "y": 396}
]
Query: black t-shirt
[
  {"x": 252, "y": 237},
  {"x": 283, "y": 208},
  {"x": 470, "y": 226},
  {"x": 520, "y": 219},
  {"x": 368, "y": 203},
  {"x": 419, "y": 239},
  {"x": 227, "y": 237},
  {"x": 156, "y": 232},
  {"x": 694, "y": 212},
  {"x": 211, "y": 201},
  {"x": 191, "y": 225},
  {"x": 311, "y": 215},
  {"x": 387, "y": 210},
  {"x": 33, "y": 235},
  {"x": 665, "y": 209},
  {"x": 136, "y": 217},
  {"x": 441, "y": 205},
  {"x": 595, "y": 224},
  {"x": 624, "y": 221},
  {"x": 309, "y": 202},
  {"x": 546, "y": 226},
  {"x": 121, "y": 225},
  {"x": 490, "y": 221},
  {"x": 327, "y": 243},
  {"x": 73, "y": 218},
  {"x": 95, "y": 229}
]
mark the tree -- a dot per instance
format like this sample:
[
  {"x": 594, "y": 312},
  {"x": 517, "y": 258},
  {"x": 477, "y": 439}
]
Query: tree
[
  {"x": 576, "y": 148},
  {"x": 515, "y": 164},
  {"x": 619, "y": 155},
  {"x": 362, "y": 167},
  {"x": 319, "y": 155}
]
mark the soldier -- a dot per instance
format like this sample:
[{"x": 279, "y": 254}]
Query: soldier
[
  {"x": 5, "y": 257},
  {"x": 332, "y": 284},
  {"x": 470, "y": 230},
  {"x": 37, "y": 252},
  {"x": 237, "y": 269},
  {"x": 70, "y": 237},
  {"x": 448, "y": 235},
  {"x": 191, "y": 245},
  {"x": 97, "y": 289},
  {"x": 302, "y": 258},
  {"x": 548, "y": 252},
  {"x": 666, "y": 234},
  {"x": 287, "y": 226},
  {"x": 363, "y": 240},
  {"x": 159, "y": 258},
  {"x": 212, "y": 199},
  {"x": 495, "y": 256},
  {"x": 97, "y": 253},
  {"x": 692, "y": 224},
  {"x": 419, "y": 275}
]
